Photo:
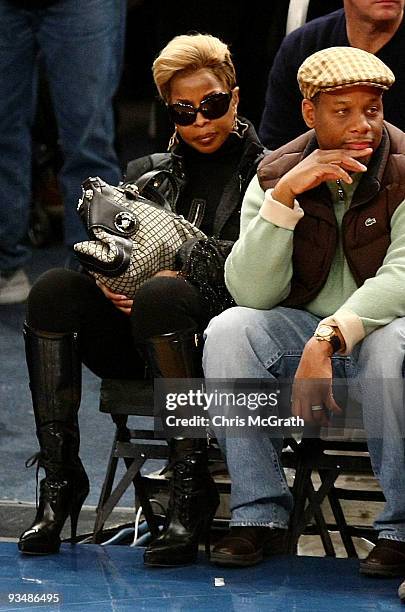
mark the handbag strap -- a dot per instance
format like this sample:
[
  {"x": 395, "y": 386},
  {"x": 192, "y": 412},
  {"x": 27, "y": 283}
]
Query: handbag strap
[{"x": 150, "y": 183}]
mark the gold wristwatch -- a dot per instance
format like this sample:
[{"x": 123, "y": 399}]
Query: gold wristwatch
[{"x": 328, "y": 333}]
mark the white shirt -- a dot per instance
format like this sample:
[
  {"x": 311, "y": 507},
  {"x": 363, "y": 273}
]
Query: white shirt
[{"x": 297, "y": 14}]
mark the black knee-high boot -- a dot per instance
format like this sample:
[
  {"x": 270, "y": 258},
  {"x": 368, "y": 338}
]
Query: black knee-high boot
[
  {"x": 54, "y": 370},
  {"x": 193, "y": 495}
]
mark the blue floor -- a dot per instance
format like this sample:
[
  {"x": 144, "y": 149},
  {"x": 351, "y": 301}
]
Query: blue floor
[{"x": 94, "y": 578}]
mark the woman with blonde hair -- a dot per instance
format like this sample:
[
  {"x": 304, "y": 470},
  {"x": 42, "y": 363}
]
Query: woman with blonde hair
[{"x": 212, "y": 156}]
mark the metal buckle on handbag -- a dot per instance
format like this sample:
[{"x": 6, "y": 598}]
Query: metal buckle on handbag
[{"x": 131, "y": 190}]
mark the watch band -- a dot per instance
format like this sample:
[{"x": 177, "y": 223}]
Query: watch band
[{"x": 335, "y": 342}]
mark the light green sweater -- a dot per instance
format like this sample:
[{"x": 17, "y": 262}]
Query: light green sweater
[{"x": 259, "y": 269}]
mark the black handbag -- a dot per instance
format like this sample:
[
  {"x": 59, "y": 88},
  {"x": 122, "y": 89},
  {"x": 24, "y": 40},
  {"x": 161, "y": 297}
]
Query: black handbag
[{"x": 131, "y": 237}]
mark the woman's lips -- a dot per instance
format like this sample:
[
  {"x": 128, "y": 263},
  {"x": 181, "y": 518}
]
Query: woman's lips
[{"x": 206, "y": 139}]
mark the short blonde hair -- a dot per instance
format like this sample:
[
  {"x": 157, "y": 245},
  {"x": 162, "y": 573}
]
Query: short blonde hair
[{"x": 188, "y": 53}]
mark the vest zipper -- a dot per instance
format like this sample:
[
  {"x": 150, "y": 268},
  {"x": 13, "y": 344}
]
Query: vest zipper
[{"x": 341, "y": 194}]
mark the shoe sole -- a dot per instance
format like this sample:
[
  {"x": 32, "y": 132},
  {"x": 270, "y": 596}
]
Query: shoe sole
[
  {"x": 179, "y": 564},
  {"x": 37, "y": 552},
  {"x": 246, "y": 560},
  {"x": 166, "y": 563},
  {"x": 391, "y": 571},
  {"x": 31, "y": 549},
  {"x": 237, "y": 560}
]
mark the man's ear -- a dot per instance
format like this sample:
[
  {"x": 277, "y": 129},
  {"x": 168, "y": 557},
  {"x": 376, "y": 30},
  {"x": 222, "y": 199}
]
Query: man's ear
[{"x": 308, "y": 112}]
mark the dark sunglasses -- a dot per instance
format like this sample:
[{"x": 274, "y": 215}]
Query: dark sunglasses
[{"x": 212, "y": 107}]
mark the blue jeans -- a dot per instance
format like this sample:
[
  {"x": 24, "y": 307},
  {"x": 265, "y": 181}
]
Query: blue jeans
[
  {"x": 249, "y": 343},
  {"x": 81, "y": 41}
]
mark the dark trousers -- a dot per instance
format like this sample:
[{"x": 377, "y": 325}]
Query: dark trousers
[{"x": 66, "y": 301}]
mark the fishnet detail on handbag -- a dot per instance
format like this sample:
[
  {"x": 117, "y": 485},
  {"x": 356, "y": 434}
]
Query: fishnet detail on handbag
[{"x": 124, "y": 259}]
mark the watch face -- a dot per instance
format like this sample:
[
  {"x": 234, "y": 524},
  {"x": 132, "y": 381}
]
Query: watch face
[{"x": 325, "y": 331}]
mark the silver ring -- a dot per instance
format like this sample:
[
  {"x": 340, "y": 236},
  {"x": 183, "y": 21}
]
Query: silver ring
[{"x": 316, "y": 408}]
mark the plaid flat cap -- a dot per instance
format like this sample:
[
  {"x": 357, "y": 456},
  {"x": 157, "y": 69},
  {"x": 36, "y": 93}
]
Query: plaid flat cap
[{"x": 338, "y": 67}]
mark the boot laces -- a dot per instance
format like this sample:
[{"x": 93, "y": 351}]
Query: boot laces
[
  {"x": 50, "y": 487},
  {"x": 35, "y": 459},
  {"x": 186, "y": 486}
]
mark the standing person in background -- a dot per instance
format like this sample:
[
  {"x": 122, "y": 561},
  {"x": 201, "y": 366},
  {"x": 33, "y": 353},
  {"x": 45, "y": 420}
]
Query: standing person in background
[
  {"x": 82, "y": 44},
  {"x": 300, "y": 11},
  {"x": 372, "y": 25}
]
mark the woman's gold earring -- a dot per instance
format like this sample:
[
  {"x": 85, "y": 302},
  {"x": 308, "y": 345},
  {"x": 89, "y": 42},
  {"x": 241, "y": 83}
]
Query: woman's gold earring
[{"x": 173, "y": 140}]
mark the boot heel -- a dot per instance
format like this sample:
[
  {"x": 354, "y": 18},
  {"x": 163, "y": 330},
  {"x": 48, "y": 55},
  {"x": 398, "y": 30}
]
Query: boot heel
[{"x": 74, "y": 517}]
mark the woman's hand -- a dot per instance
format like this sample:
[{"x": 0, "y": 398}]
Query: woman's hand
[
  {"x": 122, "y": 302},
  {"x": 172, "y": 273}
]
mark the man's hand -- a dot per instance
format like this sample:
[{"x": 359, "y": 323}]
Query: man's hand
[
  {"x": 122, "y": 302},
  {"x": 313, "y": 384},
  {"x": 318, "y": 167}
]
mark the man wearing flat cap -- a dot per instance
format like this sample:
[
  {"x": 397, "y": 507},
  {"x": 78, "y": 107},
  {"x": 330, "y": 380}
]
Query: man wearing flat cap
[{"x": 318, "y": 274}]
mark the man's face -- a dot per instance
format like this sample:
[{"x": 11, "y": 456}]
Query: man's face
[
  {"x": 349, "y": 118},
  {"x": 375, "y": 10}
]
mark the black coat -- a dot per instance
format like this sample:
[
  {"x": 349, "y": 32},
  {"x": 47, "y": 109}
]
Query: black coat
[{"x": 227, "y": 217}]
